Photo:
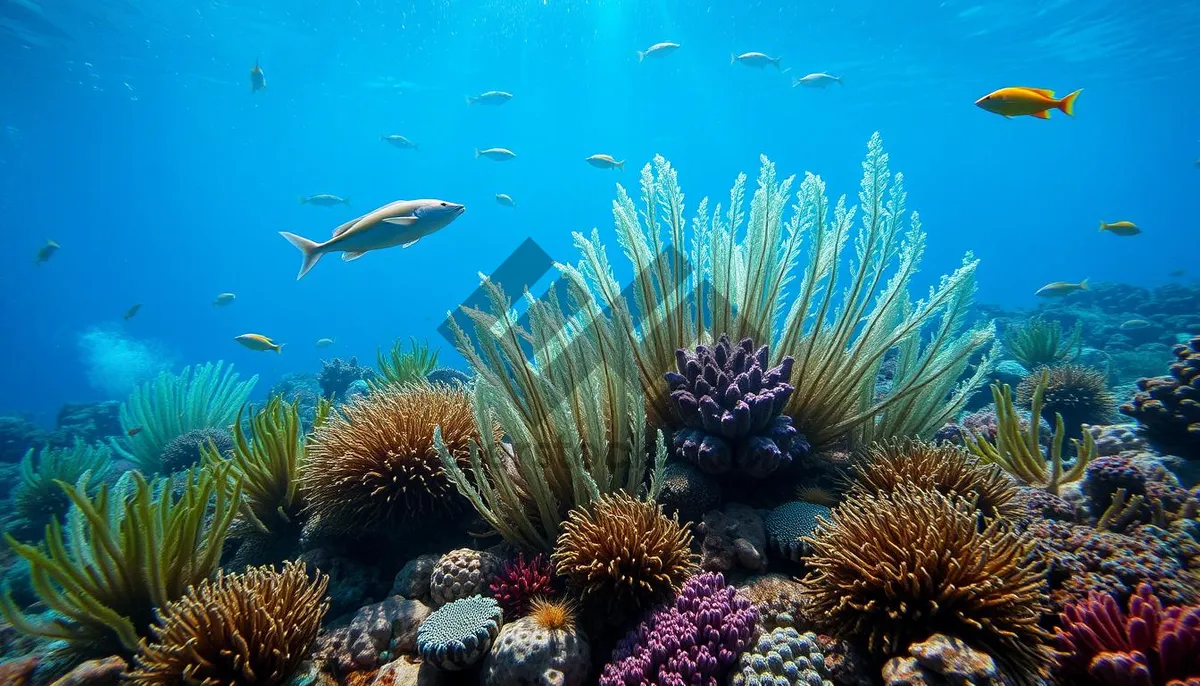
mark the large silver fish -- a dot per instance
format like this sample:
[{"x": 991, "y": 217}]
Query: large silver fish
[{"x": 403, "y": 223}]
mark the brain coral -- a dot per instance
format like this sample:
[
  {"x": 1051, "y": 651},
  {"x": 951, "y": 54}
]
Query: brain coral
[
  {"x": 893, "y": 568},
  {"x": 373, "y": 463},
  {"x": 461, "y": 573},
  {"x": 458, "y": 634},
  {"x": 623, "y": 551}
]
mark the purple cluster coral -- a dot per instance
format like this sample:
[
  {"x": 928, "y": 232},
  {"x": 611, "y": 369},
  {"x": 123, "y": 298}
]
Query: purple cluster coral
[
  {"x": 1149, "y": 646},
  {"x": 731, "y": 406},
  {"x": 693, "y": 641}
]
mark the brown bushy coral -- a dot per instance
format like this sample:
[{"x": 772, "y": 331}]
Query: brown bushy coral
[
  {"x": 893, "y": 568},
  {"x": 944, "y": 468},
  {"x": 1079, "y": 393},
  {"x": 251, "y": 629},
  {"x": 373, "y": 462},
  {"x": 624, "y": 551}
]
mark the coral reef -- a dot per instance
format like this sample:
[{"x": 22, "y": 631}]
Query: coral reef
[
  {"x": 459, "y": 634},
  {"x": 687, "y": 491},
  {"x": 89, "y": 422},
  {"x": 250, "y": 629},
  {"x": 1168, "y": 407},
  {"x": 731, "y": 403},
  {"x": 1116, "y": 438},
  {"x": 412, "y": 581},
  {"x": 780, "y": 601},
  {"x": 377, "y": 631},
  {"x": 519, "y": 582},
  {"x": 1080, "y": 394},
  {"x": 1154, "y": 492},
  {"x": 373, "y": 463},
  {"x": 187, "y": 449},
  {"x": 693, "y": 640},
  {"x": 301, "y": 389},
  {"x": 128, "y": 550},
  {"x": 337, "y": 375},
  {"x": 942, "y": 660},
  {"x": 981, "y": 585},
  {"x": 624, "y": 552},
  {"x": 789, "y": 523},
  {"x": 783, "y": 657},
  {"x": 462, "y": 573},
  {"x": 158, "y": 411},
  {"x": 404, "y": 367},
  {"x": 943, "y": 468},
  {"x": 17, "y": 437},
  {"x": 1037, "y": 342},
  {"x": 732, "y": 538},
  {"x": 527, "y": 652},
  {"x": 1149, "y": 645},
  {"x": 38, "y": 498}
]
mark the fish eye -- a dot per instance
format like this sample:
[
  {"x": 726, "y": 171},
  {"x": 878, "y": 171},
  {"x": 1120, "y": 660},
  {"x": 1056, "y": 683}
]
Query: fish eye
[{"x": 443, "y": 204}]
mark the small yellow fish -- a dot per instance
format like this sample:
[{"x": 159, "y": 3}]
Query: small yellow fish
[
  {"x": 1120, "y": 228},
  {"x": 605, "y": 162},
  {"x": 45, "y": 252},
  {"x": 324, "y": 342},
  {"x": 224, "y": 299},
  {"x": 1033, "y": 102},
  {"x": 257, "y": 341},
  {"x": 258, "y": 80},
  {"x": 1135, "y": 324},
  {"x": 1061, "y": 288},
  {"x": 132, "y": 311},
  {"x": 506, "y": 200}
]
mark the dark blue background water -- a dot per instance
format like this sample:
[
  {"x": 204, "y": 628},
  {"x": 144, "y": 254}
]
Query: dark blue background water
[{"x": 128, "y": 134}]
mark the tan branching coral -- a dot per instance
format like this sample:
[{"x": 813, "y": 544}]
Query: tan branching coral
[
  {"x": 624, "y": 551},
  {"x": 373, "y": 463},
  {"x": 251, "y": 629},
  {"x": 891, "y": 569},
  {"x": 944, "y": 468}
]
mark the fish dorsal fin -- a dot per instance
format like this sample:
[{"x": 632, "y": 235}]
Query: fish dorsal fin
[
  {"x": 351, "y": 256},
  {"x": 401, "y": 221},
  {"x": 1044, "y": 114},
  {"x": 347, "y": 226},
  {"x": 410, "y": 243},
  {"x": 1040, "y": 91}
]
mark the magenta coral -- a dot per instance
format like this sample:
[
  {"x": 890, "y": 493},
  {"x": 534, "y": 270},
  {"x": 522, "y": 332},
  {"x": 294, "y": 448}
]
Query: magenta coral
[
  {"x": 691, "y": 642},
  {"x": 519, "y": 582},
  {"x": 1149, "y": 646}
]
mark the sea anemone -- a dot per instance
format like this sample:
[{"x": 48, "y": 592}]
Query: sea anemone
[
  {"x": 373, "y": 464},
  {"x": 892, "y": 568},
  {"x": 624, "y": 551},
  {"x": 1080, "y": 394},
  {"x": 553, "y": 615},
  {"x": 944, "y": 468},
  {"x": 251, "y": 629}
]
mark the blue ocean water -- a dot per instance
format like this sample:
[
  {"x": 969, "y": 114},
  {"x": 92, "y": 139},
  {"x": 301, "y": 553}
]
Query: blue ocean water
[{"x": 130, "y": 136}]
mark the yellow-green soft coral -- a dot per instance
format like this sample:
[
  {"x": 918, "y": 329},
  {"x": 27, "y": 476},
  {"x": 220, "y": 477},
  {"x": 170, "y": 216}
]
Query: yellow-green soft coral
[
  {"x": 38, "y": 498},
  {"x": 413, "y": 365},
  {"x": 125, "y": 551}
]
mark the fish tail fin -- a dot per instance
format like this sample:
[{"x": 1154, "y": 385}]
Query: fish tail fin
[
  {"x": 477, "y": 153},
  {"x": 732, "y": 58},
  {"x": 470, "y": 100},
  {"x": 621, "y": 165},
  {"x": 839, "y": 80},
  {"x": 303, "y": 199},
  {"x": 310, "y": 249},
  {"x": 1103, "y": 226},
  {"x": 795, "y": 81},
  {"x": 1083, "y": 285},
  {"x": 1067, "y": 104},
  {"x": 279, "y": 348},
  {"x": 346, "y": 202},
  {"x": 776, "y": 62},
  {"x": 641, "y": 56}
]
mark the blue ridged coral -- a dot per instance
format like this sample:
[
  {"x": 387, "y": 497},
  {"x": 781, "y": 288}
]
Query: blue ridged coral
[
  {"x": 783, "y": 657},
  {"x": 788, "y": 523},
  {"x": 459, "y": 634},
  {"x": 731, "y": 406}
]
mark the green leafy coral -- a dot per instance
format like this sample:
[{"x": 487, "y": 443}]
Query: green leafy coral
[
  {"x": 402, "y": 367},
  {"x": 171, "y": 405},
  {"x": 125, "y": 551},
  {"x": 38, "y": 498},
  {"x": 1040, "y": 343},
  {"x": 1019, "y": 452}
]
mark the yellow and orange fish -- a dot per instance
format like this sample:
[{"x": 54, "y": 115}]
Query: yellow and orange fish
[
  {"x": 1021, "y": 101},
  {"x": 257, "y": 341}
]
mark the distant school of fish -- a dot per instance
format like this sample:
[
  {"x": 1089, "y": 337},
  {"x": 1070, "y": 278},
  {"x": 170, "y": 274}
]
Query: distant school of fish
[{"x": 404, "y": 223}]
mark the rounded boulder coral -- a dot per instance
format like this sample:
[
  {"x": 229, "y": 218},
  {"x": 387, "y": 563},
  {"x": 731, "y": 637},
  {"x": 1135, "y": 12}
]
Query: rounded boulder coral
[
  {"x": 944, "y": 468},
  {"x": 184, "y": 451},
  {"x": 891, "y": 569},
  {"x": 459, "y": 634},
  {"x": 624, "y": 551},
  {"x": 1080, "y": 394},
  {"x": 251, "y": 629},
  {"x": 462, "y": 573},
  {"x": 373, "y": 464},
  {"x": 527, "y": 652}
]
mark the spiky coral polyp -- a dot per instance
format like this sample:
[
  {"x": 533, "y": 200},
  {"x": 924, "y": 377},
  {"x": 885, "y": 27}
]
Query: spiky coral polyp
[
  {"x": 624, "y": 551},
  {"x": 891, "y": 569},
  {"x": 251, "y": 629},
  {"x": 373, "y": 464}
]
